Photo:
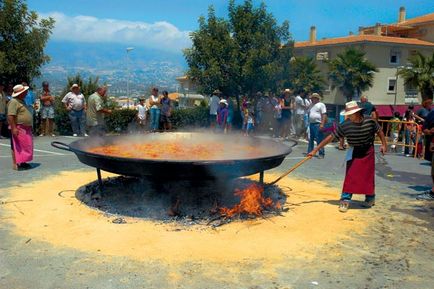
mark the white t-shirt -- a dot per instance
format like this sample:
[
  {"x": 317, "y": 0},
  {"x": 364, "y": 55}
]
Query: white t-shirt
[
  {"x": 74, "y": 101},
  {"x": 154, "y": 98},
  {"x": 316, "y": 111},
  {"x": 214, "y": 105},
  {"x": 301, "y": 105},
  {"x": 142, "y": 111}
]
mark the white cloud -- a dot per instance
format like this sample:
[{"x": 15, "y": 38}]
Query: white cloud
[{"x": 159, "y": 35}]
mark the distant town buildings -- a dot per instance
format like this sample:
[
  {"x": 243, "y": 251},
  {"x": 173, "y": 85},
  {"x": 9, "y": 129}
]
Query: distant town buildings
[{"x": 387, "y": 46}]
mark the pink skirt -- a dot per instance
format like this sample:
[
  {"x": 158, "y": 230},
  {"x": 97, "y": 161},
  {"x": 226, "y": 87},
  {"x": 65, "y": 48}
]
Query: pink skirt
[
  {"x": 23, "y": 144},
  {"x": 360, "y": 175}
]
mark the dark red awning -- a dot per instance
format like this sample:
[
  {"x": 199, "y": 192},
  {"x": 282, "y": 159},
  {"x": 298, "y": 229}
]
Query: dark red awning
[{"x": 387, "y": 110}]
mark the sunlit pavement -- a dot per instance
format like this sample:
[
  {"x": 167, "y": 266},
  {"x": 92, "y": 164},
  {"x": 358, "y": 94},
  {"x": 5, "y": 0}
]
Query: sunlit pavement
[{"x": 394, "y": 252}]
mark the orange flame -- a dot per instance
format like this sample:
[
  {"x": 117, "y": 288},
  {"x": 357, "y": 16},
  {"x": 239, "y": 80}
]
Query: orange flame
[{"x": 252, "y": 202}]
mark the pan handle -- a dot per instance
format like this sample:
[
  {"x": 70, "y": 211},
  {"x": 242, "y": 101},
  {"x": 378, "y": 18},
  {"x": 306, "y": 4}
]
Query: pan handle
[{"x": 61, "y": 146}]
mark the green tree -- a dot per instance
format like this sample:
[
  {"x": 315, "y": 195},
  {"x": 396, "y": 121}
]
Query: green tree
[
  {"x": 351, "y": 73},
  {"x": 246, "y": 53},
  {"x": 263, "y": 48},
  {"x": 86, "y": 87},
  {"x": 420, "y": 74},
  {"x": 305, "y": 76},
  {"x": 23, "y": 36},
  {"x": 212, "y": 57}
]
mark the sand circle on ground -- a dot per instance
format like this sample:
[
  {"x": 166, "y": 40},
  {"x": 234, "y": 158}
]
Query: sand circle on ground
[{"x": 55, "y": 216}]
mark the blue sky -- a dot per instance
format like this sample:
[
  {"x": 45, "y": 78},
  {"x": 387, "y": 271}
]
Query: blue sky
[{"x": 166, "y": 23}]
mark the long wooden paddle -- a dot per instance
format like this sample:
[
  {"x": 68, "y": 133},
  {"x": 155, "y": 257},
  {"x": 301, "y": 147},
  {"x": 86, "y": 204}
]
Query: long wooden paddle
[{"x": 290, "y": 170}]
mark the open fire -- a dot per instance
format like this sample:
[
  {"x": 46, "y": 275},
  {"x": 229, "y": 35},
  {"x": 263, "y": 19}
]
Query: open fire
[{"x": 252, "y": 202}]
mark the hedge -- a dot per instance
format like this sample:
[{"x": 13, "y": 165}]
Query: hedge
[{"x": 123, "y": 120}]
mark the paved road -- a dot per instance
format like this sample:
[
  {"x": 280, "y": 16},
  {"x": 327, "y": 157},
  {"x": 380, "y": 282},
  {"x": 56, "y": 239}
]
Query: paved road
[{"x": 388, "y": 243}]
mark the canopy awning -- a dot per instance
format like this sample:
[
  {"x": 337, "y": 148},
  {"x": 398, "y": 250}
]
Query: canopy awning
[{"x": 387, "y": 110}]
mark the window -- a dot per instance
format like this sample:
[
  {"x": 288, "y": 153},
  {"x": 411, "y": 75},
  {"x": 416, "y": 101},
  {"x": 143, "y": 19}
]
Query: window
[
  {"x": 391, "y": 85},
  {"x": 394, "y": 56}
]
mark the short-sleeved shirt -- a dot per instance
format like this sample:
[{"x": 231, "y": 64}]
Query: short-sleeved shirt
[
  {"x": 214, "y": 105},
  {"x": 301, "y": 104},
  {"x": 74, "y": 101},
  {"x": 358, "y": 134},
  {"x": 368, "y": 108},
  {"x": 94, "y": 115},
  {"x": 423, "y": 112},
  {"x": 315, "y": 113},
  {"x": 18, "y": 108},
  {"x": 165, "y": 106}
]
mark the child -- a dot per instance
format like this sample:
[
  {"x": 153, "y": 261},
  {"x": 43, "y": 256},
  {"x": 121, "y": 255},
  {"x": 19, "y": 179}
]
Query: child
[
  {"x": 395, "y": 127},
  {"x": 222, "y": 116},
  {"x": 249, "y": 120},
  {"x": 141, "y": 114}
]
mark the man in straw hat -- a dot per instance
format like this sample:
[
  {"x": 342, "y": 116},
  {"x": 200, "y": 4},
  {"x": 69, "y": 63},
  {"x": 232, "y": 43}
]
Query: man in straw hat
[
  {"x": 20, "y": 121},
  {"x": 360, "y": 131}
]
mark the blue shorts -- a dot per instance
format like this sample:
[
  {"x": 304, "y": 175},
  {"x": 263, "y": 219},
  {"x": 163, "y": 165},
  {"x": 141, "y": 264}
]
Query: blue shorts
[{"x": 47, "y": 112}]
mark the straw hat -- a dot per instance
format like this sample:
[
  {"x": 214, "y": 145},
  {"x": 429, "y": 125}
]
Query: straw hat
[
  {"x": 351, "y": 107},
  {"x": 315, "y": 95},
  {"x": 18, "y": 89}
]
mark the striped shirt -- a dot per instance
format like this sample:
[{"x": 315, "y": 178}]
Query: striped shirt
[{"x": 358, "y": 134}]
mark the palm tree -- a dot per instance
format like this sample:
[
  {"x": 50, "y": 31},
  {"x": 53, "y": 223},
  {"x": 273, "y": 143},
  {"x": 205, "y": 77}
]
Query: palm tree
[
  {"x": 351, "y": 73},
  {"x": 420, "y": 74},
  {"x": 305, "y": 75}
]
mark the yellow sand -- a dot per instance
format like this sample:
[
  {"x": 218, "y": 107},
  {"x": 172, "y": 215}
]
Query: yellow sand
[{"x": 67, "y": 223}]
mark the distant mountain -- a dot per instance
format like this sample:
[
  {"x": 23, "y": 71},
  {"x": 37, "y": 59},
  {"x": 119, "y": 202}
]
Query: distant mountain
[{"x": 109, "y": 62}]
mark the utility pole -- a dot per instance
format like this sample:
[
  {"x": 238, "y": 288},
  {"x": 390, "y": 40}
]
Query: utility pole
[{"x": 128, "y": 75}]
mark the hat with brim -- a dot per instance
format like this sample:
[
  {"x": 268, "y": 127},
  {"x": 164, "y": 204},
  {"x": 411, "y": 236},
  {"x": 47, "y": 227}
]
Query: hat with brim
[
  {"x": 287, "y": 90},
  {"x": 351, "y": 108},
  {"x": 18, "y": 89},
  {"x": 224, "y": 101},
  {"x": 315, "y": 95},
  {"x": 216, "y": 91}
]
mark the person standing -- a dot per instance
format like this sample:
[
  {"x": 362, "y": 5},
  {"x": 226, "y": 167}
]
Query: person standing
[
  {"x": 368, "y": 108},
  {"x": 231, "y": 113},
  {"x": 421, "y": 115},
  {"x": 360, "y": 132},
  {"x": 213, "y": 107},
  {"x": 3, "y": 103},
  {"x": 47, "y": 110},
  {"x": 142, "y": 110},
  {"x": 75, "y": 104},
  {"x": 410, "y": 129},
  {"x": 166, "y": 111},
  {"x": 395, "y": 128},
  {"x": 222, "y": 116},
  {"x": 423, "y": 112},
  {"x": 428, "y": 130},
  {"x": 286, "y": 114},
  {"x": 317, "y": 120},
  {"x": 155, "y": 111},
  {"x": 20, "y": 122},
  {"x": 96, "y": 112},
  {"x": 301, "y": 107}
]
